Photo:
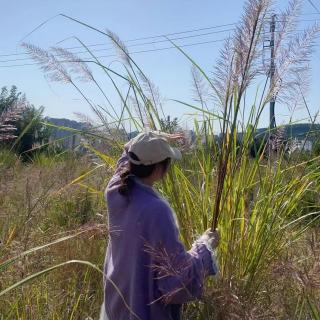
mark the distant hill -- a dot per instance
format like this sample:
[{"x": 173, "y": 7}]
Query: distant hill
[
  {"x": 67, "y": 138},
  {"x": 70, "y": 140},
  {"x": 298, "y": 130},
  {"x": 58, "y": 133}
]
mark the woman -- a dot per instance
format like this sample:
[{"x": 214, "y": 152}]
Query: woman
[{"x": 148, "y": 272}]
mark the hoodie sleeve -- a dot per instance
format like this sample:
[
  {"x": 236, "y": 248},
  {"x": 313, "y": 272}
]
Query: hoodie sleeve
[{"x": 178, "y": 274}]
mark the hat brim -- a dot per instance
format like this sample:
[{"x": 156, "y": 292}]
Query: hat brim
[{"x": 176, "y": 154}]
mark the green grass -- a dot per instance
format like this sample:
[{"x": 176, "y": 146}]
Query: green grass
[
  {"x": 66, "y": 225},
  {"x": 260, "y": 260}
]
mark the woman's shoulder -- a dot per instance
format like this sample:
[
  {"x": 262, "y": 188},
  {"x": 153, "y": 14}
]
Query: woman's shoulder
[
  {"x": 157, "y": 210},
  {"x": 156, "y": 204},
  {"x": 158, "y": 222}
]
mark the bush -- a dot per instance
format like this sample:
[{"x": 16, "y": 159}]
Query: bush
[{"x": 7, "y": 159}]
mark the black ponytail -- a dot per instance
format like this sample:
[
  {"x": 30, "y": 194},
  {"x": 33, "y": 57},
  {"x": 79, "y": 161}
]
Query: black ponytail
[{"x": 127, "y": 182}]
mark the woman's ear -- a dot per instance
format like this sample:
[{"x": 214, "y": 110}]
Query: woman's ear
[
  {"x": 164, "y": 170},
  {"x": 159, "y": 172}
]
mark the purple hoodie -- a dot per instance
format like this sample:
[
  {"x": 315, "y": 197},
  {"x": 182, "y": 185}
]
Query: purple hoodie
[{"x": 148, "y": 272}]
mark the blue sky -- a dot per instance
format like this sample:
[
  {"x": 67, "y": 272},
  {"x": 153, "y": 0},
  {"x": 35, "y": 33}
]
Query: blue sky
[{"x": 129, "y": 19}]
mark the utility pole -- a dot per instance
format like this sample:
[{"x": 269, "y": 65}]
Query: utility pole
[{"x": 272, "y": 71}]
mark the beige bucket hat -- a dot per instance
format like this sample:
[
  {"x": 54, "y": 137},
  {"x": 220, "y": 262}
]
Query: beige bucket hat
[{"x": 151, "y": 147}]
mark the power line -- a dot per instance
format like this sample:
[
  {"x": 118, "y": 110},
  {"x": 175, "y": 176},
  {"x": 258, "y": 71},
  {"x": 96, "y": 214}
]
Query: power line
[
  {"x": 167, "y": 34},
  {"x": 309, "y": 14},
  {"x": 137, "y": 44},
  {"x": 133, "y": 45},
  {"x": 144, "y": 38},
  {"x": 141, "y": 51},
  {"x": 149, "y": 38},
  {"x": 137, "y": 39},
  {"x": 147, "y": 43},
  {"x": 299, "y": 21},
  {"x": 134, "y": 52}
]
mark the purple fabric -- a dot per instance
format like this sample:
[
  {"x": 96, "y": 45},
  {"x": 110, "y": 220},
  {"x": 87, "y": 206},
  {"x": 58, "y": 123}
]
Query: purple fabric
[{"x": 148, "y": 272}]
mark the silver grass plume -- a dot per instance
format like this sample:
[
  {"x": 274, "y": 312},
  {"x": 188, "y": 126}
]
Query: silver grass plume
[
  {"x": 200, "y": 88},
  {"x": 223, "y": 73},
  {"x": 139, "y": 109},
  {"x": 287, "y": 22},
  {"x": 60, "y": 70},
  {"x": 147, "y": 89},
  {"x": 151, "y": 91},
  {"x": 55, "y": 70},
  {"x": 247, "y": 42},
  {"x": 240, "y": 59},
  {"x": 80, "y": 69},
  {"x": 77, "y": 65},
  {"x": 292, "y": 75},
  {"x": 120, "y": 46}
]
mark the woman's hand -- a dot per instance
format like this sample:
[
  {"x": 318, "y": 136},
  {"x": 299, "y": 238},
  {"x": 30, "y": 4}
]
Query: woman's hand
[
  {"x": 179, "y": 139},
  {"x": 173, "y": 136},
  {"x": 213, "y": 238},
  {"x": 210, "y": 238}
]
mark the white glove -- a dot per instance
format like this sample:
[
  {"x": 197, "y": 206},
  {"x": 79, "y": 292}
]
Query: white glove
[{"x": 210, "y": 238}]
